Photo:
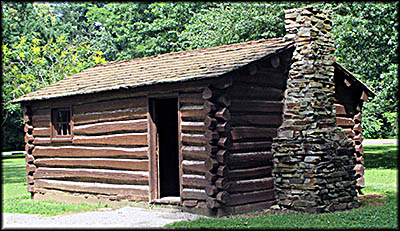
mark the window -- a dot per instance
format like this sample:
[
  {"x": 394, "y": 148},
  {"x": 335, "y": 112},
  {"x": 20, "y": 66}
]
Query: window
[{"x": 61, "y": 123}]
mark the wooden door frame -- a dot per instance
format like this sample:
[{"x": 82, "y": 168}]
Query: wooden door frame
[{"x": 154, "y": 177}]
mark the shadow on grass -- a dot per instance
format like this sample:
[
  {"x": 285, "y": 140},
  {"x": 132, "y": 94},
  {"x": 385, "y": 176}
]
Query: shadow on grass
[
  {"x": 380, "y": 156},
  {"x": 13, "y": 175}
]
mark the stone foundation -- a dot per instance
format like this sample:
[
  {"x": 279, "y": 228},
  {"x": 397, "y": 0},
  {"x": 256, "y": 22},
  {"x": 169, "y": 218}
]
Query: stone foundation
[{"x": 313, "y": 158}]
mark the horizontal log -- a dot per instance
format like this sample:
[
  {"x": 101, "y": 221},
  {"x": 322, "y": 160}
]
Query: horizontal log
[
  {"x": 345, "y": 122},
  {"x": 29, "y": 168},
  {"x": 110, "y": 105},
  {"x": 358, "y": 139},
  {"x": 210, "y": 122},
  {"x": 249, "y": 120},
  {"x": 247, "y": 173},
  {"x": 360, "y": 160},
  {"x": 251, "y": 146},
  {"x": 250, "y": 185},
  {"x": 224, "y": 100},
  {"x": 189, "y": 193},
  {"x": 227, "y": 210},
  {"x": 211, "y": 190},
  {"x": 211, "y": 136},
  {"x": 41, "y": 132},
  {"x": 91, "y": 187},
  {"x": 29, "y": 148},
  {"x": 349, "y": 132},
  {"x": 41, "y": 140},
  {"x": 224, "y": 142},
  {"x": 357, "y": 117},
  {"x": 223, "y": 197},
  {"x": 189, "y": 203},
  {"x": 211, "y": 149},
  {"x": 361, "y": 181},
  {"x": 28, "y": 138},
  {"x": 224, "y": 127},
  {"x": 212, "y": 203},
  {"x": 194, "y": 181},
  {"x": 41, "y": 118},
  {"x": 360, "y": 149},
  {"x": 28, "y": 128},
  {"x": 255, "y": 92},
  {"x": 222, "y": 183},
  {"x": 222, "y": 156},
  {"x": 30, "y": 179},
  {"x": 209, "y": 107},
  {"x": 30, "y": 188},
  {"x": 191, "y": 98},
  {"x": 196, "y": 139},
  {"x": 340, "y": 109},
  {"x": 211, "y": 164},
  {"x": 245, "y": 105},
  {"x": 192, "y": 126},
  {"x": 193, "y": 167},
  {"x": 210, "y": 94},
  {"x": 222, "y": 83},
  {"x": 249, "y": 159},
  {"x": 102, "y": 175},
  {"x": 268, "y": 79},
  {"x": 357, "y": 127},
  {"x": 211, "y": 177},
  {"x": 124, "y": 164},
  {"x": 359, "y": 169},
  {"x": 117, "y": 139},
  {"x": 252, "y": 132},
  {"x": 107, "y": 127},
  {"x": 29, "y": 158},
  {"x": 224, "y": 114},
  {"x": 76, "y": 151},
  {"x": 251, "y": 197},
  {"x": 194, "y": 153},
  {"x": 117, "y": 115},
  {"x": 195, "y": 111}
]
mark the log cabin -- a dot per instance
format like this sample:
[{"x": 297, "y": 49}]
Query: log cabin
[{"x": 221, "y": 130}]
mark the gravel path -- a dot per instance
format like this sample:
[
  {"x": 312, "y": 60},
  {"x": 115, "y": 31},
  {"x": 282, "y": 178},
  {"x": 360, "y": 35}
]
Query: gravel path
[
  {"x": 379, "y": 141},
  {"x": 124, "y": 217}
]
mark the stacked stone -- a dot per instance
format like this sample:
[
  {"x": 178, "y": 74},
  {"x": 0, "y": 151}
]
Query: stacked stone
[{"x": 313, "y": 158}]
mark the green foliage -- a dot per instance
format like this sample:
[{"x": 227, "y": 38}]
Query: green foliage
[{"x": 43, "y": 43}]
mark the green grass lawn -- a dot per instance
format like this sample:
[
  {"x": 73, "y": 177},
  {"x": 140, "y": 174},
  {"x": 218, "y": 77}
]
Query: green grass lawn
[
  {"x": 374, "y": 212},
  {"x": 16, "y": 198},
  {"x": 380, "y": 178}
]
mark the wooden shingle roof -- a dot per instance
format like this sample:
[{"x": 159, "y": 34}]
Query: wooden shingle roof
[{"x": 165, "y": 68}]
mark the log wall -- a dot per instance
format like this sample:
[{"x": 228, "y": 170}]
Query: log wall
[
  {"x": 106, "y": 156},
  {"x": 193, "y": 179},
  {"x": 243, "y": 111},
  {"x": 349, "y": 100}
]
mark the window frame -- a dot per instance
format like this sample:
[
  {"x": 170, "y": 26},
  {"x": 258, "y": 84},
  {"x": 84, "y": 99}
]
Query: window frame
[{"x": 54, "y": 136}]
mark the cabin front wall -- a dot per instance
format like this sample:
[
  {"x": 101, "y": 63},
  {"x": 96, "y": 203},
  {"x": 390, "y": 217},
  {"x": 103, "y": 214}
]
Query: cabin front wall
[{"x": 108, "y": 157}]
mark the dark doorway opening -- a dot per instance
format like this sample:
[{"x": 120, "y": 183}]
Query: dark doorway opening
[{"x": 166, "y": 120}]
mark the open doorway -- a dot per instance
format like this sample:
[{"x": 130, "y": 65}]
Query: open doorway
[{"x": 164, "y": 113}]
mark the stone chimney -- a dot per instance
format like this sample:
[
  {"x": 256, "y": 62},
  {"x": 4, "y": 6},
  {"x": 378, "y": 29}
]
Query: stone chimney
[{"x": 313, "y": 158}]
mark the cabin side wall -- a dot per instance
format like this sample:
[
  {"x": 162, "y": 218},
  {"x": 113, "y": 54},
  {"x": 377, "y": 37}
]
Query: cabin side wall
[
  {"x": 244, "y": 110},
  {"x": 107, "y": 158},
  {"x": 348, "y": 103}
]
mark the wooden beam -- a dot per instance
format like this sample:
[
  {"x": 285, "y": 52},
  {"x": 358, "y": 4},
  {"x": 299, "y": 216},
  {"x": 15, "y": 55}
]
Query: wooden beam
[
  {"x": 108, "y": 163},
  {"x": 109, "y": 176},
  {"x": 81, "y": 151},
  {"x": 115, "y": 139},
  {"x": 139, "y": 125},
  {"x": 91, "y": 187}
]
